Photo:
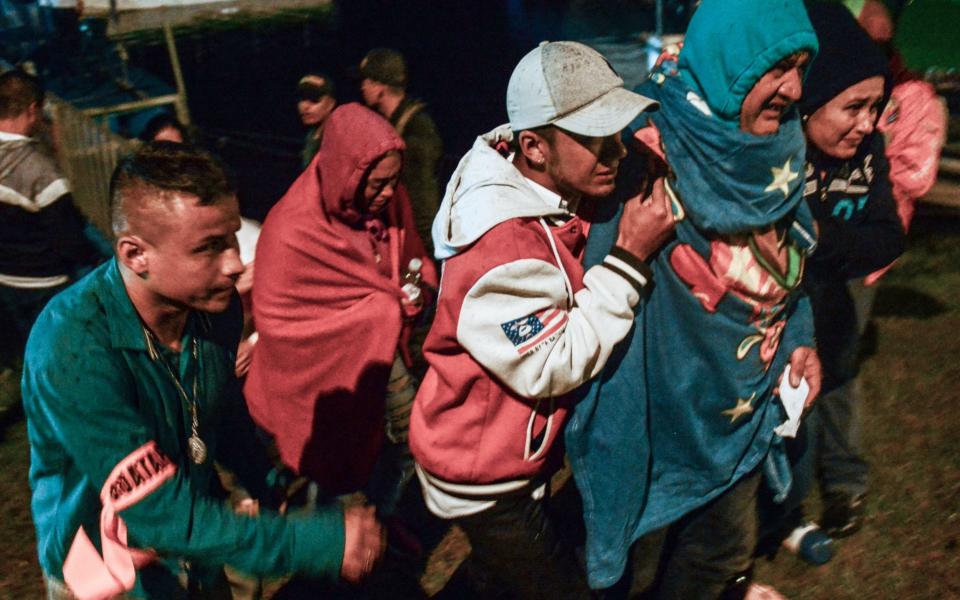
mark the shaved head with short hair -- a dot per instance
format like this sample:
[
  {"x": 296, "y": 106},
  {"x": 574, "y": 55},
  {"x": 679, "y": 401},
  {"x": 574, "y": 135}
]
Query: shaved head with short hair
[
  {"x": 157, "y": 175},
  {"x": 18, "y": 91},
  {"x": 176, "y": 216}
]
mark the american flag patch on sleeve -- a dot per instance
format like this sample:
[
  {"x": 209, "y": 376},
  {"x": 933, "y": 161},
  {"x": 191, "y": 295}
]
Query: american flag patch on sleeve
[{"x": 527, "y": 332}]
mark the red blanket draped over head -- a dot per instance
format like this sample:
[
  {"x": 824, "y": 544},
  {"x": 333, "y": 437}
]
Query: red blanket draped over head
[{"x": 329, "y": 319}]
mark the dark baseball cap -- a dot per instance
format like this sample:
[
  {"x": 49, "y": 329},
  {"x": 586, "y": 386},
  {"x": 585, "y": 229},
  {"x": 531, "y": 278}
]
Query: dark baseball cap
[
  {"x": 314, "y": 86},
  {"x": 384, "y": 65}
]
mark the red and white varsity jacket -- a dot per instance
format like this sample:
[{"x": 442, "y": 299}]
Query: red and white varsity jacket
[{"x": 519, "y": 325}]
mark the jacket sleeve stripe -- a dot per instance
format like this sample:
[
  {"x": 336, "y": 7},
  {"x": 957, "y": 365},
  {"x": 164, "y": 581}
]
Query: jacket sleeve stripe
[
  {"x": 629, "y": 267},
  {"x": 50, "y": 194}
]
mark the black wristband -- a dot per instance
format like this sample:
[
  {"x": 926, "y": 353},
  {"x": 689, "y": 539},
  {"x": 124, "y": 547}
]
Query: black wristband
[{"x": 628, "y": 266}]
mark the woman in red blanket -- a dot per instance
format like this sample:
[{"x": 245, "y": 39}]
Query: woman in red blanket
[{"x": 333, "y": 314}]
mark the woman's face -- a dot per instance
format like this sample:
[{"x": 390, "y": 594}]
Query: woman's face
[
  {"x": 381, "y": 183},
  {"x": 839, "y": 126}
]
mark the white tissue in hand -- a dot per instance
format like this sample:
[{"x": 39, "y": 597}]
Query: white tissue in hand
[{"x": 792, "y": 399}]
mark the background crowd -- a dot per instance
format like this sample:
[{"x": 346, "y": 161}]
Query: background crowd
[{"x": 653, "y": 340}]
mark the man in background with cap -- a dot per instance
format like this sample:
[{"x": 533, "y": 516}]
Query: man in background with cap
[
  {"x": 519, "y": 324},
  {"x": 315, "y": 102},
  {"x": 384, "y": 89}
]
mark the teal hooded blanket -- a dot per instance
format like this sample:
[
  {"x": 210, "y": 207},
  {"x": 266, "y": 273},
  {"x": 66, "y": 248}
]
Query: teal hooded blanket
[{"x": 685, "y": 407}]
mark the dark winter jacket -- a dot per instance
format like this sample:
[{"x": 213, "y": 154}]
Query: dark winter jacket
[{"x": 860, "y": 232}]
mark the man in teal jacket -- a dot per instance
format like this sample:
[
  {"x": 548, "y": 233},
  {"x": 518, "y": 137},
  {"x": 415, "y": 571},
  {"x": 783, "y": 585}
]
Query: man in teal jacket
[{"x": 130, "y": 397}]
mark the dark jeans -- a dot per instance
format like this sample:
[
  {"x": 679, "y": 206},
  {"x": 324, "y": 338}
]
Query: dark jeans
[
  {"x": 836, "y": 421},
  {"x": 827, "y": 449},
  {"x": 779, "y": 519},
  {"x": 394, "y": 468},
  {"x": 700, "y": 556},
  {"x": 518, "y": 552},
  {"x": 839, "y": 462}
]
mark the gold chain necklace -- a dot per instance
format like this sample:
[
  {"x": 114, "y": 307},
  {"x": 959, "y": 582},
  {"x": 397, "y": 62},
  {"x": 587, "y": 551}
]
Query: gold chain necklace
[{"x": 195, "y": 445}]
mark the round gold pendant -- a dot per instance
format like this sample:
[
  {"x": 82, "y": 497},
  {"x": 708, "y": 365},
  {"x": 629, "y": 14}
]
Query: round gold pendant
[{"x": 198, "y": 450}]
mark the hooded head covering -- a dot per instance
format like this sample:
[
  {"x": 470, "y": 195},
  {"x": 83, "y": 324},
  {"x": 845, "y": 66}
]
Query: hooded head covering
[
  {"x": 329, "y": 319},
  {"x": 351, "y": 144},
  {"x": 730, "y": 44},
  {"x": 726, "y": 295},
  {"x": 731, "y": 181},
  {"x": 847, "y": 57}
]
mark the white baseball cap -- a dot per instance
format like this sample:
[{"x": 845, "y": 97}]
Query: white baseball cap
[{"x": 572, "y": 86}]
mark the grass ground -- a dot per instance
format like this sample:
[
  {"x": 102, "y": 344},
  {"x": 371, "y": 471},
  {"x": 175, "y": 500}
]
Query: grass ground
[{"x": 909, "y": 545}]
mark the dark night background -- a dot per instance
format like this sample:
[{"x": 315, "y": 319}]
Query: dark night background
[{"x": 241, "y": 81}]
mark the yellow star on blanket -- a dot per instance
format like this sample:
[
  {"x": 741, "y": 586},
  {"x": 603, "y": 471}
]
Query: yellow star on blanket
[
  {"x": 782, "y": 178},
  {"x": 743, "y": 407}
]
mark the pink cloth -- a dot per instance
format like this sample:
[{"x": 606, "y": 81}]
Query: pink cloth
[
  {"x": 92, "y": 577},
  {"x": 915, "y": 132},
  {"x": 330, "y": 321}
]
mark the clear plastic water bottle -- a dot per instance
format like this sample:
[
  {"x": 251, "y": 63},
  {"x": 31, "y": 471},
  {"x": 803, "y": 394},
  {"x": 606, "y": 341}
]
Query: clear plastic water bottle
[
  {"x": 411, "y": 280},
  {"x": 810, "y": 543}
]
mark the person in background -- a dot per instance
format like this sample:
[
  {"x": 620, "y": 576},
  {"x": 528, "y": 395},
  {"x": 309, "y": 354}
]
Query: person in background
[
  {"x": 343, "y": 277},
  {"x": 384, "y": 89},
  {"x": 519, "y": 323},
  {"x": 914, "y": 124},
  {"x": 247, "y": 238},
  {"x": 45, "y": 242},
  {"x": 315, "y": 102},
  {"x": 848, "y": 188},
  {"x": 165, "y": 127},
  {"x": 130, "y": 398},
  {"x": 671, "y": 443}
]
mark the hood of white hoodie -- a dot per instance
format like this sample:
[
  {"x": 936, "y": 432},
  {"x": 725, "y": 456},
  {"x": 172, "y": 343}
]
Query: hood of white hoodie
[{"x": 484, "y": 191}]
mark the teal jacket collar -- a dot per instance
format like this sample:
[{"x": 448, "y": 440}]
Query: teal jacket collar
[{"x": 123, "y": 321}]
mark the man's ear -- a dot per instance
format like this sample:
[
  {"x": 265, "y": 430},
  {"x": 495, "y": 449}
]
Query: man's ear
[
  {"x": 531, "y": 146},
  {"x": 379, "y": 91},
  {"x": 132, "y": 253},
  {"x": 329, "y": 103},
  {"x": 32, "y": 117}
]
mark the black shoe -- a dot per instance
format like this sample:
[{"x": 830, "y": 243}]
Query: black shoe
[{"x": 842, "y": 514}]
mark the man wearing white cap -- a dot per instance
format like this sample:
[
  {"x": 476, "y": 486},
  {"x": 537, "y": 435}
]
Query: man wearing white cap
[{"x": 519, "y": 324}]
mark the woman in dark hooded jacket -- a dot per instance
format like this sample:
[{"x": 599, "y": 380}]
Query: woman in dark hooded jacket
[{"x": 849, "y": 192}]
